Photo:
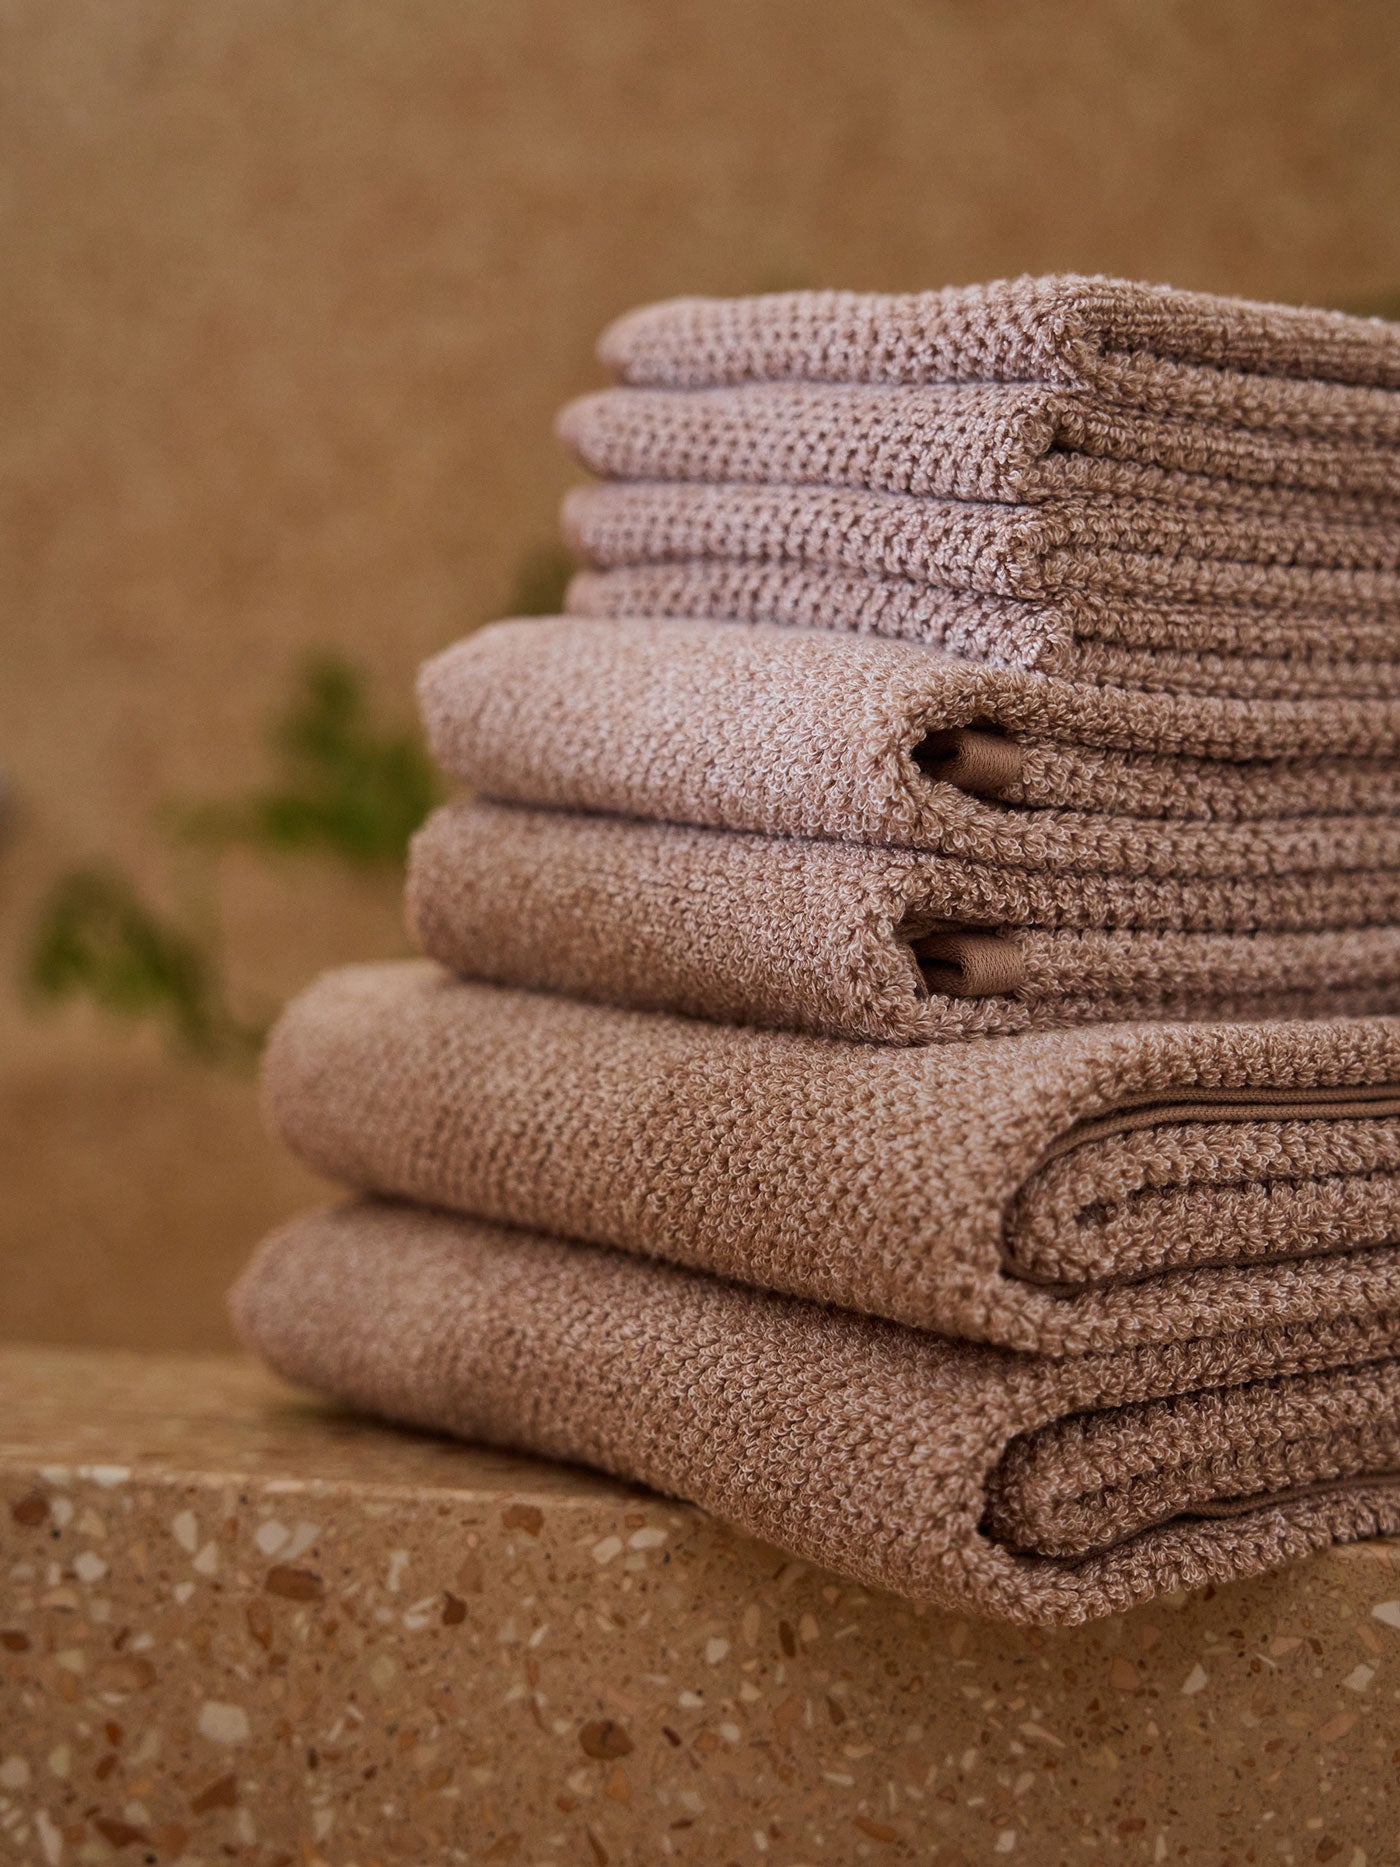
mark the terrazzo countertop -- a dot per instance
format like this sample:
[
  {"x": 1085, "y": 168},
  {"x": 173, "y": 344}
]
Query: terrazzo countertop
[{"x": 236, "y": 1626}]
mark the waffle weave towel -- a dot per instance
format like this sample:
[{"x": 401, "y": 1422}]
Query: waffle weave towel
[
  {"x": 1001, "y": 1484},
  {"x": 1062, "y": 1192}
]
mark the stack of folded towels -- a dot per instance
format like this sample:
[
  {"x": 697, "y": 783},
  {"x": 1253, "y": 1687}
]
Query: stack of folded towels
[{"x": 917, "y": 1082}]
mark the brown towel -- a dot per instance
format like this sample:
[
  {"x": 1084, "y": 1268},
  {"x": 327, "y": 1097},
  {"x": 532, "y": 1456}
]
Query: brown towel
[
  {"x": 1175, "y": 649},
  {"x": 1063, "y": 1192},
  {"x": 811, "y": 734},
  {"x": 850, "y": 941},
  {"x": 1124, "y": 549},
  {"x": 1072, "y": 475},
  {"x": 1147, "y": 348},
  {"x": 1012, "y": 445},
  {"x": 999, "y": 1484}
]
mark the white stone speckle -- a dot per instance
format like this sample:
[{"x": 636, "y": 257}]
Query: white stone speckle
[
  {"x": 650, "y": 1538},
  {"x": 50, "y": 1840},
  {"x": 1359, "y": 1678},
  {"x": 185, "y": 1530},
  {"x": 398, "y": 1562},
  {"x": 89, "y": 1567},
  {"x": 715, "y": 1651},
  {"x": 270, "y": 1536},
  {"x": 1006, "y": 1840},
  {"x": 207, "y": 1561},
  {"x": 607, "y": 1548},
  {"x": 303, "y": 1537},
  {"x": 223, "y": 1724},
  {"x": 1195, "y": 1680},
  {"x": 107, "y": 1476},
  {"x": 1387, "y": 1611}
]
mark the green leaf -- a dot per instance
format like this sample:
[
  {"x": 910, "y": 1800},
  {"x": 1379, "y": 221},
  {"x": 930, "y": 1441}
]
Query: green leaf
[
  {"x": 343, "y": 788},
  {"x": 97, "y": 939}
]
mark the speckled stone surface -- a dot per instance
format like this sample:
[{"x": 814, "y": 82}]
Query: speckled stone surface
[{"x": 237, "y": 1626}]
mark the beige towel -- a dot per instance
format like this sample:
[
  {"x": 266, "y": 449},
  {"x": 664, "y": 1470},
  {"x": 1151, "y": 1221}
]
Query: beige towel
[
  {"x": 850, "y": 941},
  {"x": 1124, "y": 549},
  {"x": 1072, "y": 475},
  {"x": 1120, "y": 345},
  {"x": 1171, "y": 649},
  {"x": 1062, "y": 1192},
  {"x": 1012, "y": 445},
  {"x": 999, "y": 1484},
  {"x": 811, "y": 734}
]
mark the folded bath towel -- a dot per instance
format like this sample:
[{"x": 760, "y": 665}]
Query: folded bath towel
[
  {"x": 810, "y": 734},
  {"x": 851, "y": 941},
  {"x": 1063, "y": 1192},
  {"x": 1116, "y": 344},
  {"x": 998, "y": 1484}
]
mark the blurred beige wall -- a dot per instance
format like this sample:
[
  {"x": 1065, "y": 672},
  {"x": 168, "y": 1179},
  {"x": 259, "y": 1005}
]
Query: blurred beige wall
[{"x": 289, "y": 293}]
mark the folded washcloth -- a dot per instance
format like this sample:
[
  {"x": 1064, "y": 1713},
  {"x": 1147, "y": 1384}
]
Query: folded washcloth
[
  {"x": 1094, "y": 479},
  {"x": 1062, "y": 1192},
  {"x": 1020, "y": 444},
  {"x": 851, "y": 941},
  {"x": 1162, "y": 649},
  {"x": 1119, "y": 345},
  {"x": 812, "y": 734},
  {"x": 999, "y": 1484},
  {"x": 1116, "y": 549}
]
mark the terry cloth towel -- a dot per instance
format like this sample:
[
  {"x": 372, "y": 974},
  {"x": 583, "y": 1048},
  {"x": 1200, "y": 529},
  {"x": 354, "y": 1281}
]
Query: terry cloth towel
[
  {"x": 992, "y": 1483},
  {"x": 801, "y": 733},
  {"x": 850, "y": 941},
  {"x": 1063, "y": 1192}
]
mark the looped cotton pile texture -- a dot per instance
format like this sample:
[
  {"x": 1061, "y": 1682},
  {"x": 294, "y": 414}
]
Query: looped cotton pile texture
[{"x": 908, "y": 1050}]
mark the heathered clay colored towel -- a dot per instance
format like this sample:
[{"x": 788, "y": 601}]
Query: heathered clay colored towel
[
  {"x": 1124, "y": 549},
  {"x": 1117, "y": 344},
  {"x": 1166, "y": 649},
  {"x": 850, "y": 941},
  {"x": 1062, "y": 1191},
  {"x": 1003, "y": 1485},
  {"x": 1019, "y": 444},
  {"x": 808, "y": 734}
]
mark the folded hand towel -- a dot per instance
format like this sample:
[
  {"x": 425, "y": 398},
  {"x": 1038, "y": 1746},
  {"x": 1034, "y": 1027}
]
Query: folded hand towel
[
  {"x": 809, "y": 734},
  {"x": 1020, "y": 444},
  {"x": 998, "y": 1484},
  {"x": 1171, "y": 649},
  {"x": 1123, "y": 549},
  {"x": 849, "y": 941},
  {"x": 1121, "y": 345},
  {"x": 1065, "y": 1191}
]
